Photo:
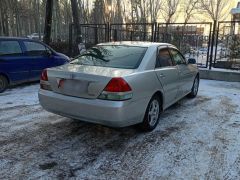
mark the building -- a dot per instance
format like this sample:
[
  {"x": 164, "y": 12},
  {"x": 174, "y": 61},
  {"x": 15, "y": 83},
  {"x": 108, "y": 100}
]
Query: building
[
  {"x": 236, "y": 13},
  {"x": 235, "y": 28}
]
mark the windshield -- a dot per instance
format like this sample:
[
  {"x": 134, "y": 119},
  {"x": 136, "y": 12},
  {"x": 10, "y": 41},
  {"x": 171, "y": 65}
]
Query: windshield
[{"x": 116, "y": 56}]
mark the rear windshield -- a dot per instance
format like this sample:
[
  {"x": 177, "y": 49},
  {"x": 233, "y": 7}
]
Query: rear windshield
[{"x": 126, "y": 57}]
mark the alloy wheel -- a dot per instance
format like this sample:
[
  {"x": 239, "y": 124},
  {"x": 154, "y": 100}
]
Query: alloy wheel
[{"x": 153, "y": 112}]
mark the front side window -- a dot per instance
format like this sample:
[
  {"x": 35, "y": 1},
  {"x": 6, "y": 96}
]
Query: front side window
[
  {"x": 177, "y": 57},
  {"x": 10, "y": 48},
  {"x": 34, "y": 48},
  {"x": 116, "y": 56},
  {"x": 164, "y": 58}
]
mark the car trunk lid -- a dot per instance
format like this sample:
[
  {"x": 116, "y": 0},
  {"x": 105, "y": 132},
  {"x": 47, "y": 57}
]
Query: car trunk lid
[{"x": 83, "y": 81}]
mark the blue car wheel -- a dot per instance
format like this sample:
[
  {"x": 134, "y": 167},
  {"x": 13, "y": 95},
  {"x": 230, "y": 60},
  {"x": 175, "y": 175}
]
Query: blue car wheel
[{"x": 3, "y": 83}]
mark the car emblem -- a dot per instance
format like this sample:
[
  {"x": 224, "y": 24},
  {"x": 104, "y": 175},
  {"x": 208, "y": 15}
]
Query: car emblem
[{"x": 60, "y": 82}]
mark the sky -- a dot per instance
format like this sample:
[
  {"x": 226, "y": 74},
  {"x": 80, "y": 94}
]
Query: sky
[{"x": 199, "y": 17}]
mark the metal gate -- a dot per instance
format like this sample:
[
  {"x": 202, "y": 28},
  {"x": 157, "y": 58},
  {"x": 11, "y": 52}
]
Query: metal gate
[
  {"x": 132, "y": 32},
  {"x": 227, "y": 45},
  {"x": 192, "y": 39},
  {"x": 91, "y": 34}
]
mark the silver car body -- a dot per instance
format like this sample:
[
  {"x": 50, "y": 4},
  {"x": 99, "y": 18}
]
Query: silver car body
[{"x": 83, "y": 84}]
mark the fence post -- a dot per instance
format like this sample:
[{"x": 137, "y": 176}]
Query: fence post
[
  {"x": 144, "y": 36},
  {"x": 158, "y": 32},
  {"x": 215, "y": 56},
  {"x": 165, "y": 36},
  {"x": 212, "y": 44},
  {"x": 131, "y": 35},
  {"x": 107, "y": 34},
  {"x": 155, "y": 32},
  {"x": 70, "y": 40},
  {"x": 209, "y": 43},
  {"x": 115, "y": 35},
  {"x": 96, "y": 34}
]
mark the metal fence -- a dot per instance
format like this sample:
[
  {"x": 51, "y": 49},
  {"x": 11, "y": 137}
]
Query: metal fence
[
  {"x": 192, "y": 39},
  {"x": 211, "y": 44},
  {"x": 227, "y": 45},
  {"x": 132, "y": 32},
  {"x": 91, "y": 34}
]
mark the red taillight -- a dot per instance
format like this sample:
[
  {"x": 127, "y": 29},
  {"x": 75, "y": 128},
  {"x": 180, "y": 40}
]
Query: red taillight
[
  {"x": 117, "y": 89},
  {"x": 117, "y": 85},
  {"x": 44, "y": 84},
  {"x": 44, "y": 76}
]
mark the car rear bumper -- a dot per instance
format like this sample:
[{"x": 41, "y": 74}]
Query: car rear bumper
[{"x": 109, "y": 113}]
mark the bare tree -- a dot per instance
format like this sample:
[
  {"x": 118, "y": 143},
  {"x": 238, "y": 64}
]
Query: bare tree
[
  {"x": 48, "y": 22},
  {"x": 118, "y": 16},
  {"x": 76, "y": 20},
  {"x": 169, "y": 9},
  {"x": 99, "y": 13},
  {"x": 155, "y": 8},
  {"x": 4, "y": 17},
  {"x": 189, "y": 9},
  {"x": 216, "y": 10}
]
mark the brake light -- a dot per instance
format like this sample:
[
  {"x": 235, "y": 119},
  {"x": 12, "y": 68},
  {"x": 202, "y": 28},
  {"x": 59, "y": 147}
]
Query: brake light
[
  {"x": 44, "y": 76},
  {"x": 117, "y": 90},
  {"x": 117, "y": 85},
  {"x": 44, "y": 84}
]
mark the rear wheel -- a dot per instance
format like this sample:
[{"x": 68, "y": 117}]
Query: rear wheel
[
  {"x": 195, "y": 86},
  {"x": 152, "y": 114},
  {"x": 3, "y": 83}
]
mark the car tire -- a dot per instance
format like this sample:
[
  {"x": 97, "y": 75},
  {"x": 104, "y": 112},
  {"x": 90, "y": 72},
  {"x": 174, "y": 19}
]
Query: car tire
[
  {"x": 152, "y": 114},
  {"x": 194, "y": 89},
  {"x": 3, "y": 83}
]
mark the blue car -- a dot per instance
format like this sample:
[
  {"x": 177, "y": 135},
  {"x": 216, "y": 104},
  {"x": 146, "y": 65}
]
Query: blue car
[{"x": 23, "y": 59}]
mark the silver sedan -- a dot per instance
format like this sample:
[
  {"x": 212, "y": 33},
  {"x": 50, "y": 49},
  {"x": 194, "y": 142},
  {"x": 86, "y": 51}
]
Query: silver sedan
[{"x": 120, "y": 84}]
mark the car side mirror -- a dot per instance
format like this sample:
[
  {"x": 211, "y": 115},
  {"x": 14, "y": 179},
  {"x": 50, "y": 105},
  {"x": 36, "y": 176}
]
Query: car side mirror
[{"x": 191, "y": 61}]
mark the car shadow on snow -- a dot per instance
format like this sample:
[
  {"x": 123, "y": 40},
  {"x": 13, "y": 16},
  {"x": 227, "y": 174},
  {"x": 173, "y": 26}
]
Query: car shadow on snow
[
  {"x": 66, "y": 147},
  {"x": 80, "y": 146},
  {"x": 88, "y": 131}
]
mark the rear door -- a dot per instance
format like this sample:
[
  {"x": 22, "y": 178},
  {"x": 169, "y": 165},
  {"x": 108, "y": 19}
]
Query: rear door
[
  {"x": 12, "y": 61},
  {"x": 167, "y": 74},
  {"x": 39, "y": 57},
  {"x": 186, "y": 76}
]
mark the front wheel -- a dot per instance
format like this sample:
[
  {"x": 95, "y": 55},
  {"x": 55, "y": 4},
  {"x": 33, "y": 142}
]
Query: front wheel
[
  {"x": 3, "y": 83},
  {"x": 195, "y": 86},
  {"x": 152, "y": 114}
]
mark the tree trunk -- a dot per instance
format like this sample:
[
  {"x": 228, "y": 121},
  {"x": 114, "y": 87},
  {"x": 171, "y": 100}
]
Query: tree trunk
[
  {"x": 48, "y": 22},
  {"x": 76, "y": 20},
  {"x": 1, "y": 20}
]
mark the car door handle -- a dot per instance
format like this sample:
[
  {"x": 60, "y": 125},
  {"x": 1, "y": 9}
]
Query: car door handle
[{"x": 162, "y": 75}]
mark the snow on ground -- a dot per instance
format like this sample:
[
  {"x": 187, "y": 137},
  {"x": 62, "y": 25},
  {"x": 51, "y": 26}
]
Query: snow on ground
[
  {"x": 221, "y": 70},
  {"x": 195, "y": 139}
]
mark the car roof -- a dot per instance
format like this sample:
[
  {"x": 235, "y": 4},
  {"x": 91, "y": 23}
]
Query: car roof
[
  {"x": 15, "y": 38},
  {"x": 137, "y": 43},
  {"x": 25, "y": 38}
]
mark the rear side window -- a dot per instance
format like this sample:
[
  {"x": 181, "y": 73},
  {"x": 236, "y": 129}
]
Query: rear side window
[
  {"x": 10, "y": 48},
  {"x": 34, "y": 48},
  {"x": 116, "y": 56},
  {"x": 177, "y": 57},
  {"x": 163, "y": 58}
]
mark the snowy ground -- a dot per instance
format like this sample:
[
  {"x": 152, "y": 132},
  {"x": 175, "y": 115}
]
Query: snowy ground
[{"x": 195, "y": 139}]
